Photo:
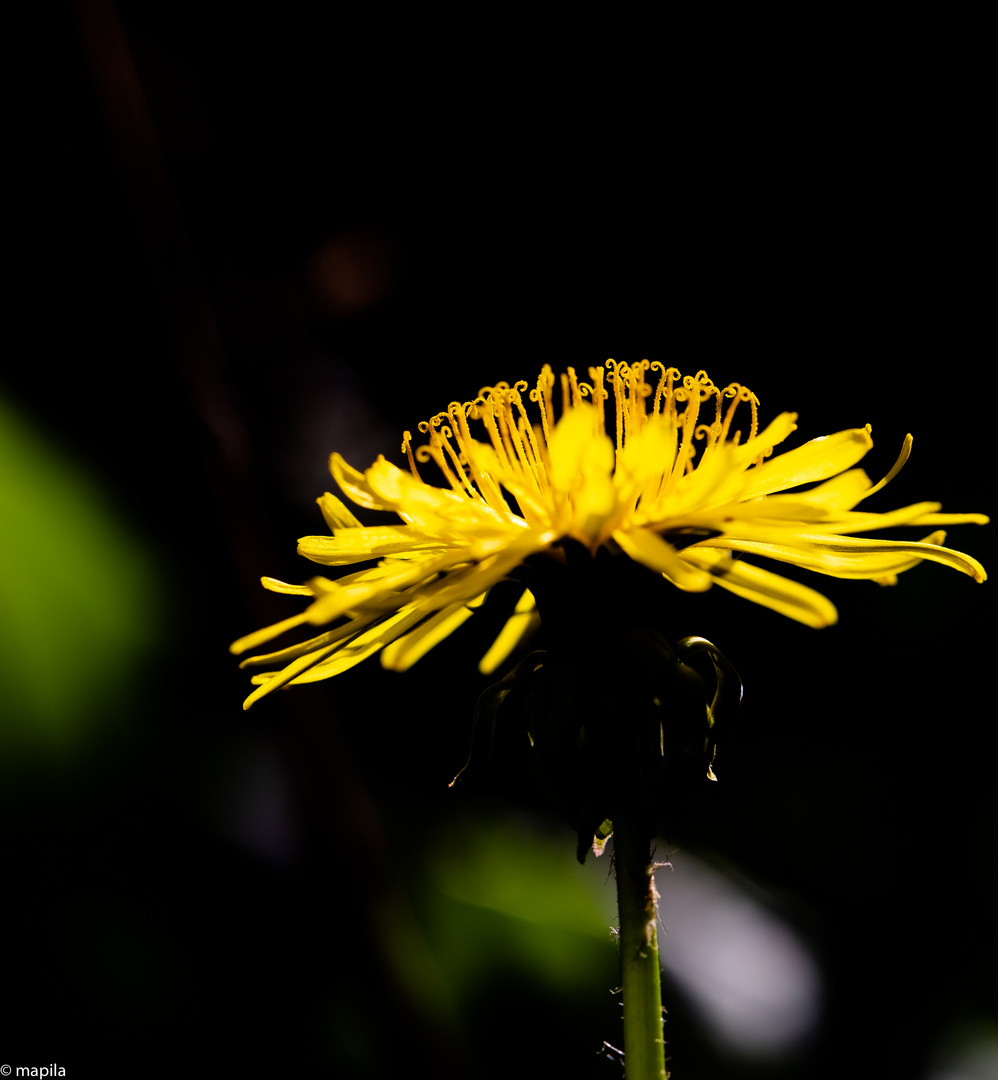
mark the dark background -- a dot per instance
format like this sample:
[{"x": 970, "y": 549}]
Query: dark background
[{"x": 244, "y": 241}]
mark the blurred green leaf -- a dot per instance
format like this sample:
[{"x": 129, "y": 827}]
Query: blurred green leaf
[
  {"x": 79, "y": 604},
  {"x": 516, "y": 902}
]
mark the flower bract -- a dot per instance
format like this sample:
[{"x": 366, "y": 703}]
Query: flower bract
[{"x": 672, "y": 472}]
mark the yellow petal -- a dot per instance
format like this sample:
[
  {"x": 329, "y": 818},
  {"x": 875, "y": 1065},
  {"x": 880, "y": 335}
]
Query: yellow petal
[
  {"x": 579, "y": 457},
  {"x": 336, "y": 512},
  {"x": 765, "y": 588},
  {"x": 402, "y": 653},
  {"x": 355, "y": 484},
  {"x": 258, "y": 637},
  {"x": 342, "y": 634},
  {"x": 895, "y": 468},
  {"x": 842, "y": 492},
  {"x": 520, "y": 625},
  {"x": 951, "y": 519},
  {"x": 364, "y": 544},
  {"x": 266, "y": 683},
  {"x": 304, "y": 668},
  {"x": 646, "y": 454},
  {"x": 652, "y": 551},
  {"x": 815, "y": 460},
  {"x": 918, "y": 515},
  {"x": 853, "y": 557},
  {"x": 772, "y": 435},
  {"x": 423, "y": 504},
  {"x": 273, "y": 585}
]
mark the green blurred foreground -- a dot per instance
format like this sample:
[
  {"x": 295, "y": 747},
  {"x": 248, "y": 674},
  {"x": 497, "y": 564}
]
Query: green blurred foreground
[{"x": 79, "y": 605}]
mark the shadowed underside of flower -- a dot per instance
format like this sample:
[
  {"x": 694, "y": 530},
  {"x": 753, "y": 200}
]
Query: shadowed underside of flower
[{"x": 640, "y": 460}]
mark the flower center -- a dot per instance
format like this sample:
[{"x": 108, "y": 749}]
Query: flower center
[{"x": 579, "y": 472}]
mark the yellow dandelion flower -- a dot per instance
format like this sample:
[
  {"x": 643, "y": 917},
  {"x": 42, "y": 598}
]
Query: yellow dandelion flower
[{"x": 641, "y": 460}]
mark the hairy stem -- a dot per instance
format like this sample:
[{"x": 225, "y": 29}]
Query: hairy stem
[{"x": 637, "y": 900}]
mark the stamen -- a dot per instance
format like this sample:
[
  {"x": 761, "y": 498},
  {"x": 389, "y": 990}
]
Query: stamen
[
  {"x": 541, "y": 394},
  {"x": 715, "y": 428},
  {"x": 669, "y": 376},
  {"x": 407, "y": 450},
  {"x": 525, "y": 428},
  {"x": 455, "y": 410},
  {"x": 632, "y": 400},
  {"x": 503, "y": 417},
  {"x": 444, "y": 435},
  {"x": 754, "y": 406},
  {"x": 484, "y": 410},
  {"x": 664, "y": 405},
  {"x": 690, "y": 393},
  {"x": 738, "y": 393},
  {"x": 639, "y": 391},
  {"x": 517, "y": 430},
  {"x": 617, "y": 380},
  {"x": 531, "y": 453},
  {"x": 434, "y": 450},
  {"x": 634, "y": 412},
  {"x": 712, "y": 432},
  {"x": 708, "y": 432},
  {"x": 633, "y": 403},
  {"x": 486, "y": 485},
  {"x": 599, "y": 399},
  {"x": 657, "y": 364}
]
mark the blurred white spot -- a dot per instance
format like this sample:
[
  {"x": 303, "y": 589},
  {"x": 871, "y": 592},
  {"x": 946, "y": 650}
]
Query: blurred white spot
[
  {"x": 254, "y": 803},
  {"x": 752, "y": 979}
]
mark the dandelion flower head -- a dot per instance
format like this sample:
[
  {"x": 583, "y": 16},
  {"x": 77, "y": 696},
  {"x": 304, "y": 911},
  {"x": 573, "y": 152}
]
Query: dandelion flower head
[{"x": 670, "y": 471}]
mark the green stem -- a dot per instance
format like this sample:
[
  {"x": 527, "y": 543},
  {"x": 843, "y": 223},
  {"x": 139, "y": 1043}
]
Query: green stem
[{"x": 637, "y": 901}]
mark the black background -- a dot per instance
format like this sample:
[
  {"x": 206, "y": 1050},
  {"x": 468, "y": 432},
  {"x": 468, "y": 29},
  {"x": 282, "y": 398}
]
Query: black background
[{"x": 289, "y": 235}]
